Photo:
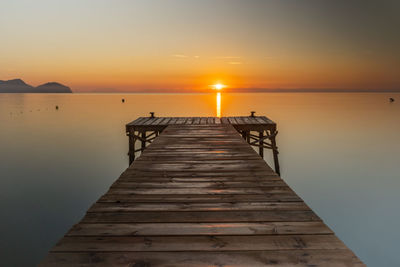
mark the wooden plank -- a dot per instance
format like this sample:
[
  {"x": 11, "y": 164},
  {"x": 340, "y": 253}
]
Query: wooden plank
[
  {"x": 188, "y": 180},
  {"x": 240, "y": 120},
  {"x": 165, "y": 121},
  {"x": 157, "y": 121},
  {"x": 150, "y": 121},
  {"x": 135, "y": 121},
  {"x": 232, "y": 120},
  {"x": 200, "y": 191},
  {"x": 221, "y": 206},
  {"x": 224, "y": 120},
  {"x": 121, "y": 183},
  {"x": 200, "y": 216},
  {"x": 142, "y": 120},
  {"x": 173, "y": 121},
  {"x": 267, "y": 197},
  {"x": 203, "y": 120},
  {"x": 189, "y": 120},
  {"x": 298, "y": 257},
  {"x": 181, "y": 120},
  {"x": 214, "y": 229},
  {"x": 198, "y": 243}
]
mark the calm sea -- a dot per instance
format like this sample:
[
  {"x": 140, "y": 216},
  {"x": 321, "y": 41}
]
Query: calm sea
[{"x": 338, "y": 151}]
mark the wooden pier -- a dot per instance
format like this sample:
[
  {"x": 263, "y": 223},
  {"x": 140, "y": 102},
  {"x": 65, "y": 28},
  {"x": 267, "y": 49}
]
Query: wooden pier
[
  {"x": 146, "y": 129},
  {"x": 199, "y": 195}
]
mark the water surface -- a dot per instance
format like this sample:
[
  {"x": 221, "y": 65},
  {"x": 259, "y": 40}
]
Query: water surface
[{"x": 339, "y": 152}]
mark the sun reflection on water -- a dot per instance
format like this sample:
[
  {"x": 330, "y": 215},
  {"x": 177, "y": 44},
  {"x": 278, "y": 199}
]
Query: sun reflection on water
[{"x": 219, "y": 105}]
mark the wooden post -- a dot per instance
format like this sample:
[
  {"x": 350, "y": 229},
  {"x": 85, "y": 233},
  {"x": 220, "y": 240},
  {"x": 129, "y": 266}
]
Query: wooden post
[
  {"x": 143, "y": 141},
  {"x": 248, "y": 136},
  {"x": 132, "y": 141},
  {"x": 243, "y": 134},
  {"x": 261, "y": 143},
  {"x": 275, "y": 152}
]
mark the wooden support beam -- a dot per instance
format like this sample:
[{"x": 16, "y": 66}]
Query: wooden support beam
[
  {"x": 143, "y": 141},
  {"x": 275, "y": 152},
  {"x": 261, "y": 147},
  {"x": 132, "y": 141}
]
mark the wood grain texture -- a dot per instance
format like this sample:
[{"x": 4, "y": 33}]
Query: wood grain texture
[{"x": 199, "y": 196}]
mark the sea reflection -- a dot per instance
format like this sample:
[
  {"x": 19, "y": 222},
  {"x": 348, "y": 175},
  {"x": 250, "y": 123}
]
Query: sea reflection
[
  {"x": 219, "y": 105},
  {"x": 52, "y": 167}
]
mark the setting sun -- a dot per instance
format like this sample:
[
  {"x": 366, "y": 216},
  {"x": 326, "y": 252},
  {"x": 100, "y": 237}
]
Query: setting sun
[{"x": 218, "y": 86}]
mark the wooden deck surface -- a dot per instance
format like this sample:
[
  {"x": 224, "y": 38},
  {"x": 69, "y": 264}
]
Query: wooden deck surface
[
  {"x": 199, "y": 195},
  {"x": 237, "y": 120}
]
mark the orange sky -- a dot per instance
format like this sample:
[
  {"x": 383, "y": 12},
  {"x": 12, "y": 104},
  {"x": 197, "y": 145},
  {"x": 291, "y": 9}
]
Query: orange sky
[{"x": 188, "y": 45}]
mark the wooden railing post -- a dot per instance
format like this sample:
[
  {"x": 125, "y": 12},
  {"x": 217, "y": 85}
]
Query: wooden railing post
[
  {"x": 261, "y": 144},
  {"x": 275, "y": 151},
  {"x": 132, "y": 141},
  {"x": 143, "y": 141}
]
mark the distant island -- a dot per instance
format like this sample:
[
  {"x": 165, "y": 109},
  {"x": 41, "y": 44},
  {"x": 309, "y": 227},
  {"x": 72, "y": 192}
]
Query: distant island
[{"x": 19, "y": 86}]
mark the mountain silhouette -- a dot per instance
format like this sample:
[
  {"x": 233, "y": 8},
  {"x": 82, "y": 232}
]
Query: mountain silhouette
[{"x": 19, "y": 86}]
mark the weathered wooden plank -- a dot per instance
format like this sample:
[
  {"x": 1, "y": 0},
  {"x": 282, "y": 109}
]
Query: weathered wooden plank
[
  {"x": 181, "y": 120},
  {"x": 198, "y": 243},
  {"x": 150, "y": 121},
  {"x": 200, "y": 191},
  {"x": 157, "y": 121},
  {"x": 298, "y": 257},
  {"x": 144, "y": 179},
  {"x": 189, "y": 120},
  {"x": 165, "y": 121},
  {"x": 142, "y": 120},
  {"x": 232, "y": 120},
  {"x": 120, "y": 183},
  {"x": 262, "y": 206},
  {"x": 196, "y": 120},
  {"x": 214, "y": 229},
  {"x": 173, "y": 121},
  {"x": 203, "y": 173},
  {"x": 268, "y": 197},
  {"x": 240, "y": 120},
  {"x": 200, "y": 216},
  {"x": 135, "y": 121}
]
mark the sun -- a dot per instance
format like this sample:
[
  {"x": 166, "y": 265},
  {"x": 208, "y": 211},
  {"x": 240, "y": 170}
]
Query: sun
[{"x": 219, "y": 86}]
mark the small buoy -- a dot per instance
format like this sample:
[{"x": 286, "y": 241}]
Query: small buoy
[
  {"x": 57, "y": 107},
  {"x": 391, "y": 99},
  {"x": 123, "y": 100}
]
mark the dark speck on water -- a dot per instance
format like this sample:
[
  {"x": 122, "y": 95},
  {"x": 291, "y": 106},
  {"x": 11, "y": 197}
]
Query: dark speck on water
[
  {"x": 391, "y": 99},
  {"x": 57, "y": 107},
  {"x": 123, "y": 100}
]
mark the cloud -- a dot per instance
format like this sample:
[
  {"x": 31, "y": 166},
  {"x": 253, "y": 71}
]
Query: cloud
[
  {"x": 235, "y": 63},
  {"x": 179, "y": 56},
  {"x": 229, "y": 57}
]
